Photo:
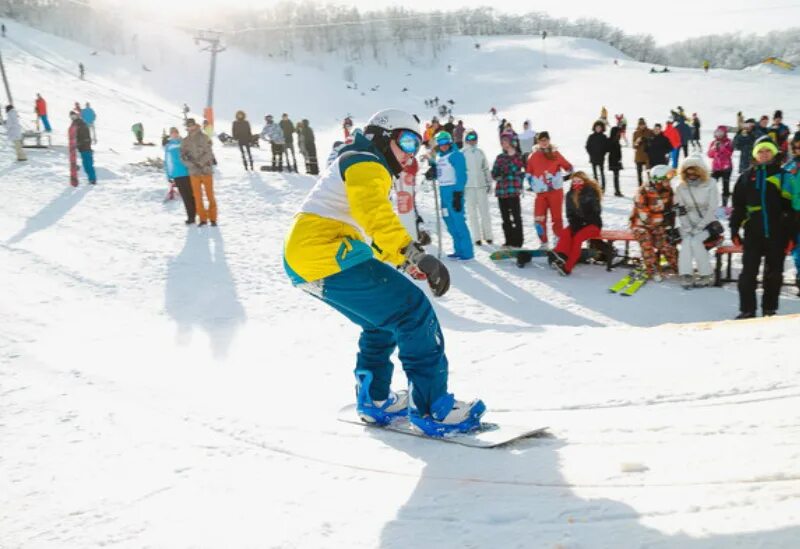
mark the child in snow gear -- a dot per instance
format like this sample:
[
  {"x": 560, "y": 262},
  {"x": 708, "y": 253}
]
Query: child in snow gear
[
  {"x": 792, "y": 184},
  {"x": 243, "y": 135},
  {"x": 196, "y": 154},
  {"x": 763, "y": 206},
  {"x": 584, "y": 218},
  {"x": 744, "y": 142},
  {"x": 451, "y": 174},
  {"x": 652, "y": 217},
  {"x": 479, "y": 185},
  {"x": 178, "y": 173},
  {"x": 508, "y": 173},
  {"x": 325, "y": 254},
  {"x": 597, "y": 147},
  {"x": 83, "y": 145},
  {"x": 658, "y": 147},
  {"x": 615, "y": 158},
  {"x": 721, "y": 152},
  {"x": 547, "y": 170},
  {"x": 14, "y": 132},
  {"x": 89, "y": 116},
  {"x": 696, "y": 202},
  {"x": 641, "y": 137},
  {"x": 274, "y": 134},
  {"x": 41, "y": 112}
]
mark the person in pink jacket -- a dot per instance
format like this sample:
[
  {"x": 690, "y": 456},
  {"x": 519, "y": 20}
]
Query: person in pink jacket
[{"x": 720, "y": 150}]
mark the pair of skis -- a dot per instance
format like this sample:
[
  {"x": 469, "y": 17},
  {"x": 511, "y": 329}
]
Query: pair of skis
[{"x": 630, "y": 284}]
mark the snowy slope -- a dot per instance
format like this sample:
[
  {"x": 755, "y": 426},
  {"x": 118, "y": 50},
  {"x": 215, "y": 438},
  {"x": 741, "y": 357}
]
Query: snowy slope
[{"x": 165, "y": 387}]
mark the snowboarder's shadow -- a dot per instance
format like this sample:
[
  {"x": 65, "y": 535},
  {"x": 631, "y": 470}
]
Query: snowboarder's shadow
[
  {"x": 517, "y": 497},
  {"x": 200, "y": 291},
  {"x": 51, "y": 213}
]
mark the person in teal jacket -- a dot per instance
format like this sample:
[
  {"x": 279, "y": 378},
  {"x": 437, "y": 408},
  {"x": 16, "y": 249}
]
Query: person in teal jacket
[
  {"x": 451, "y": 174},
  {"x": 178, "y": 173},
  {"x": 89, "y": 116},
  {"x": 792, "y": 185}
]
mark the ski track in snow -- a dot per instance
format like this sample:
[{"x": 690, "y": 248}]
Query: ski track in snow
[{"x": 166, "y": 387}]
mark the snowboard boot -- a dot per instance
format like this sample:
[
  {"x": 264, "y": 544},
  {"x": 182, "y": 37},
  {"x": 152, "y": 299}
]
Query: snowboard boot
[
  {"x": 381, "y": 412},
  {"x": 523, "y": 258},
  {"x": 687, "y": 282},
  {"x": 448, "y": 415},
  {"x": 703, "y": 281}
]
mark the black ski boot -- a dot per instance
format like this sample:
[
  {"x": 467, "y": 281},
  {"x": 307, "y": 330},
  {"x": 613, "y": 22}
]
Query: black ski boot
[{"x": 523, "y": 258}]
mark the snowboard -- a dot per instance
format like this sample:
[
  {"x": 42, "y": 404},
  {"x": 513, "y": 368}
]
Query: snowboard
[
  {"x": 490, "y": 435},
  {"x": 510, "y": 254}
]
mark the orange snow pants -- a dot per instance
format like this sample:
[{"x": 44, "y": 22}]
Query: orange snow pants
[{"x": 205, "y": 183}]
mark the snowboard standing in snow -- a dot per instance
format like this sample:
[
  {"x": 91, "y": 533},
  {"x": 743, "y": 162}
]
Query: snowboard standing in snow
[{"x": 488, "y": 435}]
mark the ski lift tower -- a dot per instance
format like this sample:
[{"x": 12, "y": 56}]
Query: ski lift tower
[{"x": 212, "y": 38}]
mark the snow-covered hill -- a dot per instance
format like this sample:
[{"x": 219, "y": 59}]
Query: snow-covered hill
[{"x": 165, "y": 387}]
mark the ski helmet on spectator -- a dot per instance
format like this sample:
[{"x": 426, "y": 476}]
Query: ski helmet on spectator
[
  {"x": 471, "y": 136},
  {"x": 660, "y": 172},
  {"x": 443, "y": 138}
]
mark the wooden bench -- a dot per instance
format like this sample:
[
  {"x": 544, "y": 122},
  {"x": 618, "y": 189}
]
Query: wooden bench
[
  {"x": 725, "y": 251},
  {"x": 37, "y": 137},
  {"x": 608, "y": 237}
]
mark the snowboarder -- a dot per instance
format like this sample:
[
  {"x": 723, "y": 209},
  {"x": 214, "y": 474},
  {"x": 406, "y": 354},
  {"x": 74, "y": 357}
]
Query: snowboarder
[
  {"x": 196, "y": 154},
  {"x": 763, "y": 206},
  {"x": 547, "y": 170},
  {"x": 792, "y": 184},
  {"x": 652, "y": 217},
  {"x": 89, "y": 116},
  {"x": 178, "y": 173},
  {"x": 584, "y": 211},
  {"x": 508, "y": 172},
  {"x": 696, "y": 203},
  {"x": 306, "y": 136},
  {"x": 14, "y": 132},
  {"x": 82, "y": 139},
  {"x": 641, "y": 138},
  {"x": 744, "y": 142},
  {"x": 274, "y": 134},
  {"x": 451, "y": 174},
  {"x": 287, "y": 127},
  {"x": 243, "y": 134},
  {"x": 597, "y": 147},
  {"x": 479, "y": 185},
  {"x": 615, "y": 157},
  {"x": 721, "y": 152},
  {"x": 81, "y": 70},
  {"x": 325, "y": 254},
  {"x": 40, "y": 107}
]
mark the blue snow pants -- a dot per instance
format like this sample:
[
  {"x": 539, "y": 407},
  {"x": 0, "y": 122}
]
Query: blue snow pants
[
  {"x": 87, "y": 159},
  {"x": 45, "y": 122},
  {"x": 674, "y": 155},
  {"x": 456, "y": 223},
  {"x": 392, "y": 312},
  {"x": 796, "y": 254}
]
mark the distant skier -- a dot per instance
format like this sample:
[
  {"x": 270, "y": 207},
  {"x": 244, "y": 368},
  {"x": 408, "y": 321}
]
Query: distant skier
[
  {"x": 138, "y": 133},
  {"x": 274, "y": 134},
  {"x": 89, "y": 116},
  {"x": 178, "y": 173},
  {"x": 81, "y": 70},
  {"x": 40, "y": 107},
  {"x": 82, "y": 140},
  {"x": 185, "y": 112},
  {"x": 197, "y": 155},
  {"x": 597, "y": 147},
  {"x": 764, "y": 208},
  {"x": 243, "y": 135},
  {"x": 527, "y": 137},
  {"x": 615, "y": 157},
  {"x": 451, "y": 174},
  {"x": 696, "y": 203},
  {"x": 651, "y": 219},
  {"x": 584, "y": 215},
  {"x": 547, "y": 170},
  {"x": 721, "y": 152},
  {"x": 348, "y": 203},
  {"x": 14, "y": 132},
  {"x": 347, "y": 126},
  {"x": 479, "y": 185},
  {"x": 508, "y": 172}
]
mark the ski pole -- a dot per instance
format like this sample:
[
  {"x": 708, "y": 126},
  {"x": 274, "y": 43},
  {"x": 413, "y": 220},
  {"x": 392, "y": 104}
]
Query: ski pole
[{"x": 438, "y": 219}]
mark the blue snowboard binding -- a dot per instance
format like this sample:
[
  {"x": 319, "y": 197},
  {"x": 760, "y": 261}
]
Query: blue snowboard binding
[
  {"x": 378, "y": 412},
  {"x": 448, "y": 415}
]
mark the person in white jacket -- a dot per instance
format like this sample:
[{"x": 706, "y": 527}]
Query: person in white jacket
[
  {"x": 14, "y": 132},
  {"x": 527, "y": 138},
  {"x": 479, "y": 185},
  {"x": 696, "y": 202}
]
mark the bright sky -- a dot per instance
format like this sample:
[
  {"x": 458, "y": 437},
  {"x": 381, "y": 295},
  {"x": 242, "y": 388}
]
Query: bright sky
[{"x": 667, "y": 22}]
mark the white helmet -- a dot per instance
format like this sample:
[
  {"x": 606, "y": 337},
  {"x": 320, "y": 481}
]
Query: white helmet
[
  {"x": 394, "y": 119},
  {"x": 660, "y": 172}
]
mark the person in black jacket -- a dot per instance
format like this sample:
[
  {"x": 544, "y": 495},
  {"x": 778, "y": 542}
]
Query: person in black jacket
[
  {"x": 615, "y": 157},
  {"x": 83, "y": 143},
  {"x": 244, "y": 136},
  {"x": 288, "y": 135},
  {"x": 584, "y": 218},
  {"x": 310, "y": 146},
  {"x": 658, "y": 147},
  {"x": 597, "y": 147},
  {"x": 763, "y": 207}
]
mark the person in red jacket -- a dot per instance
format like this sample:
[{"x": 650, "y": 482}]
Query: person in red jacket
[
  {"x": 674, "y": 136},
  {"x": 547, "y": 170},
  {"x": 41, "y": 112}
]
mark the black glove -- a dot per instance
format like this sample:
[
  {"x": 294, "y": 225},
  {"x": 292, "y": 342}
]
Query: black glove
[
  {"x": 458, "y": 201},
  {"x": 430, "y": 175},
  {"x": 424, "y": 237},
  {"x": 681, "y": 209},
  {"x": 438, "y": 276}
]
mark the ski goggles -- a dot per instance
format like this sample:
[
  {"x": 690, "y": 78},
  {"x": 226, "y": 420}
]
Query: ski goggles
[
  {"x": 408, "y": 141},
  {"x": 471, "y": 136}
]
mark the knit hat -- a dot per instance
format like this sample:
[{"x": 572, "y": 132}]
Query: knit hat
[
  {"x": 542, "y": 135},
  {"x": 764, "y": 142},
  {"x": 750, "y": 121},
  {"x": 778, "y": 114}
]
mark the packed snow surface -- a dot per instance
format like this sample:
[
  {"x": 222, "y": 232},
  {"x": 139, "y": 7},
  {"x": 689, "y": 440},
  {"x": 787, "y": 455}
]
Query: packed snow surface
[{"x": 167, "y": 387}]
